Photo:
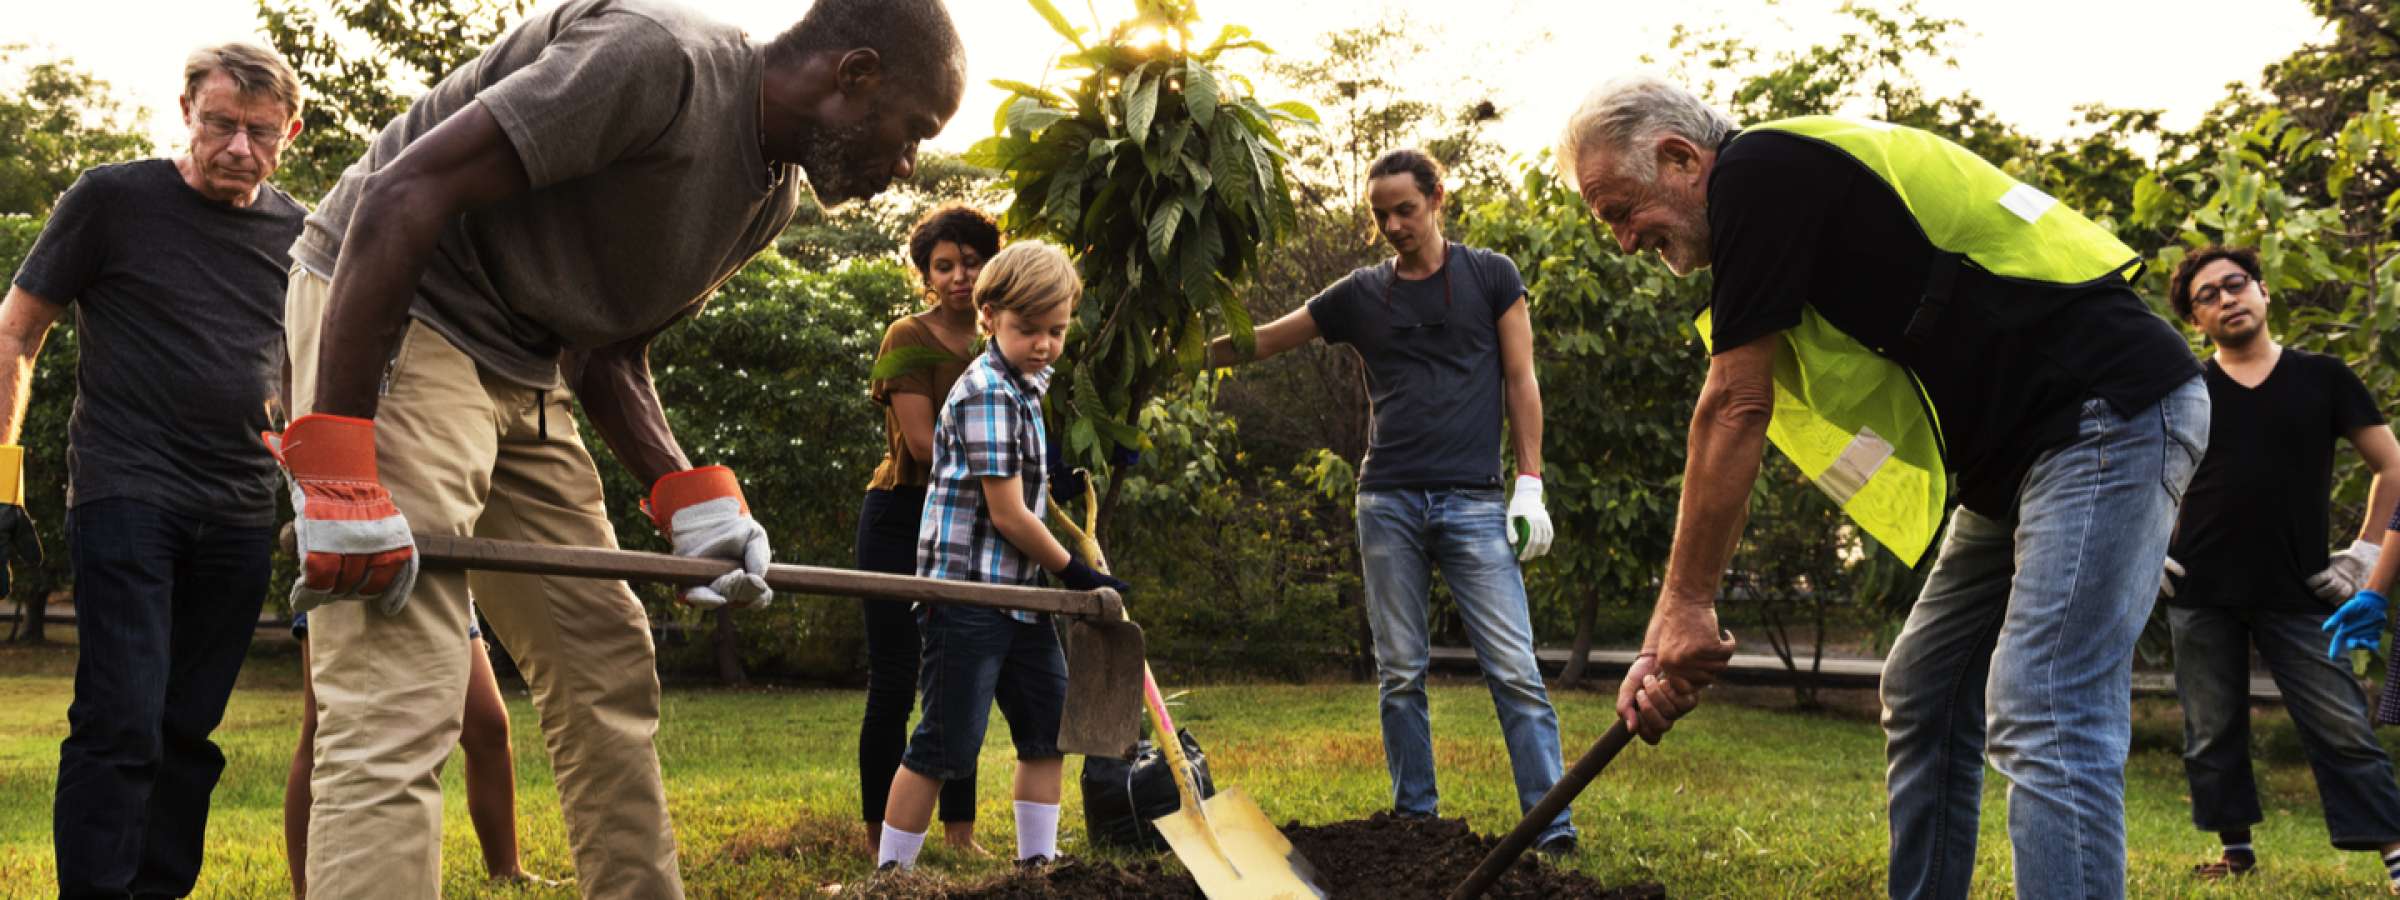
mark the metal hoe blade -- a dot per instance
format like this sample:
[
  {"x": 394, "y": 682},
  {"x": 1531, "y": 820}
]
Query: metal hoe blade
[{"x": 1103, "y": 715}]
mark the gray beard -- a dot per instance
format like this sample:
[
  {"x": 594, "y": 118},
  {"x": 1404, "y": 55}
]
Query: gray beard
[{"x": 837, "y": 177}]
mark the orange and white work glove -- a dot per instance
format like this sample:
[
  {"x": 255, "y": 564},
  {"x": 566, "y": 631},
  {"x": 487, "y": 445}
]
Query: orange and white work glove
[
  {"x": 702, "y": 512},
  {"x": 353, "y": 543}
]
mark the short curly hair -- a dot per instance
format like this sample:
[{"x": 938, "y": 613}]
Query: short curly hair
[
  {"x": 957, "y": 223},
  {"x": 2179, "y": 288}
]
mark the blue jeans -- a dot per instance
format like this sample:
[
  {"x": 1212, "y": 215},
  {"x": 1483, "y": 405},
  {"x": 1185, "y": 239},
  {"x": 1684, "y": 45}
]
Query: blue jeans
[
  {"x": 1402, "y": 536},
  {"x": 2020, "y": 649},
  {"x": 165, "y": 606},
  {"x": 2212, "y": 675}
]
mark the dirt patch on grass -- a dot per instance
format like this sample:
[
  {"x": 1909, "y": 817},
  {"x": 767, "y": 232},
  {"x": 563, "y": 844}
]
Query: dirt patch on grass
[{"x": 1383, "y": 857}]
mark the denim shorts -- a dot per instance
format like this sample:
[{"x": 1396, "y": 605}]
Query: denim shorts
[{"x": 973, "y": 658}]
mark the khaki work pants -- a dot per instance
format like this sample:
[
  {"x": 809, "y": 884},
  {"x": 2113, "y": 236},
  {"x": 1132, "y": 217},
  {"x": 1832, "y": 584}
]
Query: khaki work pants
[{"x": 463, "y": 453}]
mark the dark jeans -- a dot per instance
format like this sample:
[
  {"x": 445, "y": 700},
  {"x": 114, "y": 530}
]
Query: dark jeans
[
  {"x": 974, "y": 658},
  {"x": 2212, "y": 673},
  {"x": 165, "y": 605},
  {"x": 887, "y": 542}
]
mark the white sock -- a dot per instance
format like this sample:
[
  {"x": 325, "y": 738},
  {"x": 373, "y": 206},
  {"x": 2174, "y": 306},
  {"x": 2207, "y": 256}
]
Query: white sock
[
  {"x": 1037, "y": 829},
  {"x": 900, "y": 847},
  {"x": 2391, "y": 866}
]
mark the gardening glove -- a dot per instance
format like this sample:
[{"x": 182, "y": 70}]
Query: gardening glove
[
  {"x": 2358, "y": 625},
  {"x": 19, "y": 544},
  {"x": 703, "y": 515},
  {"x": 1064, "y": 483},
  {"x": 1078, "y": 576},
  {"x": 2347, "y": 572},
  {"x": 353, "y": 542},
  {"x": 2167, "y": 579},
  {"x": 1528, "y": 522}
]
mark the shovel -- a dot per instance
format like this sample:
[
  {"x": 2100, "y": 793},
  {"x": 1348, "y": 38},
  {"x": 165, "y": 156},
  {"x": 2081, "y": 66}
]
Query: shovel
[
  {"x": 1224, "y": 841},
  {"x": 1103, "y": 710},
  {"x": 1539, "y": 817}
]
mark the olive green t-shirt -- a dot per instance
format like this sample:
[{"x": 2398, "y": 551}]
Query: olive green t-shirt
[
  {"x": 900, "y": 467},
  {"x": 638, "y": 125}
]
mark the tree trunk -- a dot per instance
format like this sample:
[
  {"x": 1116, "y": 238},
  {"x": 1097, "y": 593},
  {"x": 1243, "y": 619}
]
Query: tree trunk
[
  {"x": 1585, "y": 614},
  {"x": 728, "y": 645}
]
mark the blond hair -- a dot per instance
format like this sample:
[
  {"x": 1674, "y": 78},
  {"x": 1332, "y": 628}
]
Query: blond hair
[
  {"x": 255, "y": 70},
  {"x": 1028, "y": 278}
]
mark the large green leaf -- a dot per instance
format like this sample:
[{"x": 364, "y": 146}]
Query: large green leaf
[
  {"x": 1297, "y": 111},
  {"x": 1028, "y": 116},
  {"x": 1058, "y": 22},
  {"x": 1141, "y": 105},
  {"x": 1199, "y": 93},
  {"x": 1022, "y": 89},
  {"x": 1162, "y": 231}
]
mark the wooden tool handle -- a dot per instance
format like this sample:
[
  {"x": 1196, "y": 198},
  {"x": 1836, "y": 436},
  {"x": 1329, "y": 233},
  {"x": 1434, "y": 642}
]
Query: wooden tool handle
[{"x": 455, "y": 552}]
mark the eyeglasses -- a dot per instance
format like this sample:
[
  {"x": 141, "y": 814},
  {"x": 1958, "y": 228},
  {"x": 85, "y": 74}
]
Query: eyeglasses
[
  {"x": 2230, "y": 285},
  {"x": 262, "y": 137},
  {"x": 1422, "y": 325}
]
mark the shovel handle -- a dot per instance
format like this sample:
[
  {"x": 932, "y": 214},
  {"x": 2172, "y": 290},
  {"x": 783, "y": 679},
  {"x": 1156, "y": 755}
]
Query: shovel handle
[
  {"x": 1564, "y": 792},
  {"x": 492, "y": 555}
]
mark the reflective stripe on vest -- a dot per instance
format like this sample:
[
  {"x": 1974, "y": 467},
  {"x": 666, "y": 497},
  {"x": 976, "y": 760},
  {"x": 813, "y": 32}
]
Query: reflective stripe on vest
[{"x": 1855, "y": 421}]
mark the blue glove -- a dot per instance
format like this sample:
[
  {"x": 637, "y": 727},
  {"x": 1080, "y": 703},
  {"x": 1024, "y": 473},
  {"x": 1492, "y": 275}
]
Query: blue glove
[{"x": 2358, "y": 625}]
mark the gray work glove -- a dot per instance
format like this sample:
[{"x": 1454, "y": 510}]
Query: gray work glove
[{"x": 2346, "y": 573}]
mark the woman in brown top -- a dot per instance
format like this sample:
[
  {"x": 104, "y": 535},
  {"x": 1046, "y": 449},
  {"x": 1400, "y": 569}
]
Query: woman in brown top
[{"x": 947, "y": 247}]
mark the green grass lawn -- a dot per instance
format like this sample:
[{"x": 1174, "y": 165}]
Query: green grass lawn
[{"x": 1744, "y": 800}]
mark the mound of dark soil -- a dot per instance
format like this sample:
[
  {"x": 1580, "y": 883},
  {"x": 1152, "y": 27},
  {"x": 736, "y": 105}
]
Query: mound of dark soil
[{"x": 1384, "y": 857}]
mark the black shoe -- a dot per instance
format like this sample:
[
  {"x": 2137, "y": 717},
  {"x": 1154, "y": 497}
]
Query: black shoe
[
  {"x": 888, "y": 867},
  {"x": 1036, "y": 863},
  {"x": 1556, "y": 848}
]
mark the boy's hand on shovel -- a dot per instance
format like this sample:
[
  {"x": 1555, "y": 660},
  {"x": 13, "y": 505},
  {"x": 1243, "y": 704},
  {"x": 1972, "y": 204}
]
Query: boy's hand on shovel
[{"x": 1685, "y": 652}]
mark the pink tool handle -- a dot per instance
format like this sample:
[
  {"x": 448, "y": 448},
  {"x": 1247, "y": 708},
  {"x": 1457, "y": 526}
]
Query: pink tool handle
[{"x": 1158, "y": 704}]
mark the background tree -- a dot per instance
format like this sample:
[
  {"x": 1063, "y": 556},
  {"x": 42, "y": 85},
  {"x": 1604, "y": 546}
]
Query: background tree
[
  {"x": 56, "y": 121},
  {"x": 1165, "y": 178},
  {"x": 361, "y": 62}
]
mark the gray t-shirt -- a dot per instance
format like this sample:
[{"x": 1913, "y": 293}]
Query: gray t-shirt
[
  {"x": 178, "y": 303},
  {"x": 638, "y": 123},
  {"x": 1432, "y": 349}
]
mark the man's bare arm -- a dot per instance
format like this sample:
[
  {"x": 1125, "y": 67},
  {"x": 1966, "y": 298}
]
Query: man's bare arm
[
  {"x": 1521, "y": 388},
  {"x": 613, "y": 384},
  {"x": 464, "y": 163},
  {"x": 2382, "y": 454},
  {"x": 1728, "y": 440},
  {"x": 1295, "y": 328},
  {"x": 25, "y": 322}
]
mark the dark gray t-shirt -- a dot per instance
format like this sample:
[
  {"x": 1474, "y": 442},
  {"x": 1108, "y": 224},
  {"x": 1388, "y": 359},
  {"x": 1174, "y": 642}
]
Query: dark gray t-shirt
[
  {"x": 1432, "y": 349},
  {"x": 178, "y": 304},
  {"x": 637, "y": 122}
]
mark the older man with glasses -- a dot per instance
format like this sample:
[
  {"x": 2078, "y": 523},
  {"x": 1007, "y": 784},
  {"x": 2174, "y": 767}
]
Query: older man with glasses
[
  {"x": 176, "y": 270},
  {"x": 2248, "y": 568}
]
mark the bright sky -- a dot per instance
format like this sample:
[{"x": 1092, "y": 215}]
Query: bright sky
[{"x": 2032, "y": 61}]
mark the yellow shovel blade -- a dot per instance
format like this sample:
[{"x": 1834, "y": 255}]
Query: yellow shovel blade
[{"x": 1250, "y": 857}]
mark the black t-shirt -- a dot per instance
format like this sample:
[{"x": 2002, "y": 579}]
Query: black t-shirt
[
  {"x": 2255, "y": 520},
  {"x": 178, "y": 305},
  {"x": 1432, "y": 349},
  {"x": 1794, "y": 222}
]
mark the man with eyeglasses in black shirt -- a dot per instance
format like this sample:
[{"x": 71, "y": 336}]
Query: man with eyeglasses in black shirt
[
  {"x": 1448, "y": 346},
  {"x": 2248, "y": 568}
]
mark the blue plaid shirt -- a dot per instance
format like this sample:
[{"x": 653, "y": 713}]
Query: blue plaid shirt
[{"x": 989, "y": 427}]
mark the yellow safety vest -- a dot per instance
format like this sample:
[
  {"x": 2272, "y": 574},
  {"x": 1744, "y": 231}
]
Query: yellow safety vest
[{"x": 1857, "y": 422}]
